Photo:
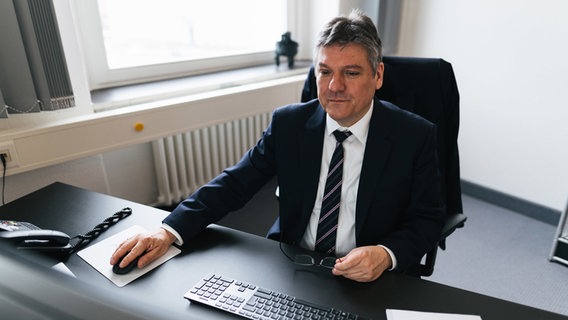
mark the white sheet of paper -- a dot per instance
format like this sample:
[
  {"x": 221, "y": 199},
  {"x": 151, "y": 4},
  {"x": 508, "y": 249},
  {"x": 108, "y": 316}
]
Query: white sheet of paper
[
  {"x": 98, "y": 256},
  {"x": 61, "y": 267},
  {"x": 394, "y": 314}
]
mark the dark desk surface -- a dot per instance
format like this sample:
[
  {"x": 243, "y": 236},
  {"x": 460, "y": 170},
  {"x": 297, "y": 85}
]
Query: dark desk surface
[{"x": 245, "y": 257}]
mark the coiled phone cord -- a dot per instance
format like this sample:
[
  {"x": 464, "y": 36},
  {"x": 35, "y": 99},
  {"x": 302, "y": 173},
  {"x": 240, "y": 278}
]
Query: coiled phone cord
[{"x": 84, "y": 239}]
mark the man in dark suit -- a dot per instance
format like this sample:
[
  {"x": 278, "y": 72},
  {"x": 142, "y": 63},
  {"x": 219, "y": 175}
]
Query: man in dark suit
[{"x": 390, "y": 211}]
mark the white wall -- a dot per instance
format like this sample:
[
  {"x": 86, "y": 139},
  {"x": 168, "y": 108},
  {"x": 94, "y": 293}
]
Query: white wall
[{"x": 510, "y": 61}]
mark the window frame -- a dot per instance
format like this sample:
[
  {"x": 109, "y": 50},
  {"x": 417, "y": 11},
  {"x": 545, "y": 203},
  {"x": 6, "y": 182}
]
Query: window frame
[{"x": 99, "y": 76}]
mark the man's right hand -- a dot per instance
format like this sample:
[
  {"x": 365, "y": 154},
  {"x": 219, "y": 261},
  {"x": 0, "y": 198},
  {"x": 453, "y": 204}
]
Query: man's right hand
[{"x": 150, "y": 245}]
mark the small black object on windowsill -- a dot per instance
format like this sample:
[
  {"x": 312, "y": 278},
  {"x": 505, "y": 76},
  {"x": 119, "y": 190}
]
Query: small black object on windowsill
[{"x": 286, "y": 47}]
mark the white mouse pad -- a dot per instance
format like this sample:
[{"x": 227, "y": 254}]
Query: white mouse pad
[{"x": 98, "y": 256}]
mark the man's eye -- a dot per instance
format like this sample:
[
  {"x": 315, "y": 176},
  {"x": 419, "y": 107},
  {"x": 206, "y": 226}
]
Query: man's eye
[
  {"x": 324, "y": 73},
  {"x": 352, "y": 73}
]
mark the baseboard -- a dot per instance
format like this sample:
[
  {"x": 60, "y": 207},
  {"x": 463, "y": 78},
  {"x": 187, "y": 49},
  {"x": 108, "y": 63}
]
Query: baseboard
[{"x": 524, "y": 207}]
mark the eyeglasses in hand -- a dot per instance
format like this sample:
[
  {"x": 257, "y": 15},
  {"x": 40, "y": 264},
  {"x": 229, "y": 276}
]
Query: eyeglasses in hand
[{"x": 307, "y": 260}]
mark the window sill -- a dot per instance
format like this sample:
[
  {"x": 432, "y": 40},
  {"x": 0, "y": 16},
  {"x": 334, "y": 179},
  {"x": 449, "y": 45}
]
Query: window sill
[{"x": 117, "y": 97}]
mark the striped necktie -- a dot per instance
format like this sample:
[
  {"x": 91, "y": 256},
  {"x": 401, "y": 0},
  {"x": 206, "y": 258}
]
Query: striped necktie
[{"x": 327, "y": 224}]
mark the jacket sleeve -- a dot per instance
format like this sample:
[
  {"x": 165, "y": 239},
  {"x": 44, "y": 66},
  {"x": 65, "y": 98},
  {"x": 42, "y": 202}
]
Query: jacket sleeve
[
  {"x": 420, "y": 224},
  {"x": 227, "y": 192}
]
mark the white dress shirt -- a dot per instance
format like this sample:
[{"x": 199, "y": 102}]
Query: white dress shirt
[{"x": 354, "y": 150}]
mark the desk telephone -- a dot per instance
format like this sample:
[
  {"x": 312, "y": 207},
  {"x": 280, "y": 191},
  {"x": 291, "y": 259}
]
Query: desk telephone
[{"x": 26, "y": 235}]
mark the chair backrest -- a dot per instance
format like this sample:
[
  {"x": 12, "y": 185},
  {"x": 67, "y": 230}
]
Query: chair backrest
[{"x": 427, "y": 87}]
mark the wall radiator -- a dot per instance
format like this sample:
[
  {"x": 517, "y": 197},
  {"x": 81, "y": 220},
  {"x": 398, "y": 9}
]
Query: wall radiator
[{"x": 186, "y": 161}]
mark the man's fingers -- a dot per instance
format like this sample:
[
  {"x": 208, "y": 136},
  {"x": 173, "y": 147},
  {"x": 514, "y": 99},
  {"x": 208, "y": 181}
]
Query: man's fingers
[
  {"x": 148, "y": 257},
  {"x": 120, "y": 251},
  {"x": 139, "y": 249},
  {"x": 129, "y": 249},
  {"x": 148, "y": 247},
  {"x": 362, "y": 264}
]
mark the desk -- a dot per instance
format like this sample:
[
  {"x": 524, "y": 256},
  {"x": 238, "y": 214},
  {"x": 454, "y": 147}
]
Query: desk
[{"x": 245, "y": 257}]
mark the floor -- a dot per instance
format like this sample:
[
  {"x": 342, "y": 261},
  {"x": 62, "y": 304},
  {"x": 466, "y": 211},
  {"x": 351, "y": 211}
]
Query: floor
[{"x": 504, "y": 254}]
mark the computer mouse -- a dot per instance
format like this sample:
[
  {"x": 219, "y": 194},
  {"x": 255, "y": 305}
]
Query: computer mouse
[{"x": 118, "y": 270}]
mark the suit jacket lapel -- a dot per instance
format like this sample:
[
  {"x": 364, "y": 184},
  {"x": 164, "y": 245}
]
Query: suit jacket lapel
[
  {"x": 310, "y": 165},
  {"x": 376, "y": 154}
]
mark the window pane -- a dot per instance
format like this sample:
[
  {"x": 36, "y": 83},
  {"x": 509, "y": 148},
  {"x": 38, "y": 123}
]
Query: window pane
[{"x": 147, "y": 32}]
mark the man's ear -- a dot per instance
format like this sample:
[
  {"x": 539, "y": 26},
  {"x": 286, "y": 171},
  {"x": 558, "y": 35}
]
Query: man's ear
[{"x": 380, "y": 75}]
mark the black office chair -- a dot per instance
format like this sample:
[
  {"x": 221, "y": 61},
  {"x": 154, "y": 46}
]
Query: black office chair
[{"x": 427, "y": 87}]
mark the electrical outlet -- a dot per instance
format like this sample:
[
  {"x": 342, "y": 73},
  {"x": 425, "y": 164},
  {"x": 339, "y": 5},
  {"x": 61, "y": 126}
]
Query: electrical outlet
[{"x": 9, "y": 151}]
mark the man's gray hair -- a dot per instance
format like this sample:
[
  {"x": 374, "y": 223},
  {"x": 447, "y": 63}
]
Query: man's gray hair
[{"x": 355, "y": 28}]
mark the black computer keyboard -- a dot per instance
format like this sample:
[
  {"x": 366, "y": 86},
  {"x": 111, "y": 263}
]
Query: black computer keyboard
[{"x": 252, "y": 302}]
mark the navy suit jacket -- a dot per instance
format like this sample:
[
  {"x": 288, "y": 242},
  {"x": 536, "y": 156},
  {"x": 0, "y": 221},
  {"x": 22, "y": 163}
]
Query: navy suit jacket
[{"x": 398, "y": 203}]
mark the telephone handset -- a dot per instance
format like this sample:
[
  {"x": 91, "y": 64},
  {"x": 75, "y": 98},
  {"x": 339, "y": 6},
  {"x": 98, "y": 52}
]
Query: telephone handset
[{"x": 28, "y": 236}]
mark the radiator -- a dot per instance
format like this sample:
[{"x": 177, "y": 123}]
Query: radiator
[{"x": 186, "y": 161}]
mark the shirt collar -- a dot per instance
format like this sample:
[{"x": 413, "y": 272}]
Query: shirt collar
[{"x": 359, "y": 129}]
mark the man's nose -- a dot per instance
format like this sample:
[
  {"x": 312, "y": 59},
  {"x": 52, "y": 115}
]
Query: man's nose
[{"x": 337, "y": 83}]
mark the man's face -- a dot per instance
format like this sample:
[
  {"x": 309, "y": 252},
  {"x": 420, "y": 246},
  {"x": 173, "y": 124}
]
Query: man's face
[{"x": 346, "y": 82}]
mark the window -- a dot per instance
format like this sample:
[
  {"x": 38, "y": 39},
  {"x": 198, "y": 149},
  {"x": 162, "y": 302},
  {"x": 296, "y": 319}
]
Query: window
[
  {"x": 34, "y": 73},
  {"x": 129, "y": 41}
]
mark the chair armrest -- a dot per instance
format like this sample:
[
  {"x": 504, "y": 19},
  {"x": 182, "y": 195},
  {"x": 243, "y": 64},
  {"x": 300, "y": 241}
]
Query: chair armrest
[{"x": 453, "y": 221}]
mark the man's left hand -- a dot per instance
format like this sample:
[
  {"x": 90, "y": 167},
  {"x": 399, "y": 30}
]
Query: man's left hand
[{"x": 363, "y": 264}]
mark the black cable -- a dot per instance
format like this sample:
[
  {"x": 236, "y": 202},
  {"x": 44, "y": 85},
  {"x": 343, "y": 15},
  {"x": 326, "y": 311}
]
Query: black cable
[
  {"x": 3, "y": 158},
  {"x": 84, "y": 239}
]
